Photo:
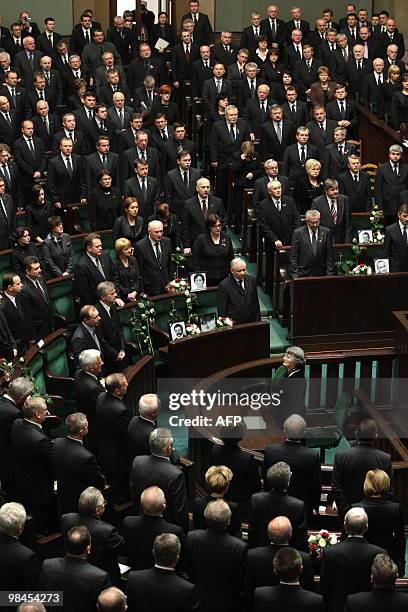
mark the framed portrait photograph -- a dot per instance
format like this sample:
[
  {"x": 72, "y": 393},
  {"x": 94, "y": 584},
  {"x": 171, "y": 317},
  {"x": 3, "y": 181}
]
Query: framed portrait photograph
[
  {"x": 365, "y": 236},
  {"x": 381, "y": 266},
  {"x": 207, "y": 321},
  {"x": 177, "y": 330},
  {"x": 198, "y": 281}
]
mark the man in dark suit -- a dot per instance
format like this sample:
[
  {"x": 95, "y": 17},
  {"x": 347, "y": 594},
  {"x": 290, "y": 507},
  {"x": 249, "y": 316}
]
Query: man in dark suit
[
  {"x": 10, "y": 173},
  {"x": 317, "y": 37},
  {"x": 391, "y": 36},
  {"x": 391, "y": 179},
  {"x": 273, "y": 28},
  {"x": 237, "y": 296},
  {"x": 65, "y": 176},
  {"x": 272, "y": 174},
  {"x": 203, "y": 32},
  {"x": 156, "y": 469},
  {"x": 102, "y": 159},
  {"x": 219, "y": 584},
  {"x": 93, "y": 268},
  {"x": 100, "y": 125},
  {"x": 120, "y": 114},
  {"x": 250, "y": 34},
  {"x": 110, "y": 327},
  {"x": 28, "y": 61},
  {"x": 390, "y": 59},
  {"x": 153, "y": 254},
  {"x": 247, "y": 87},
  {"x": 196, "y": 211},
  {"x": 305, "y": 70},
  {"x": 201, "y": 71},
  {"x": 149, "y": 590},
  {"x": 87, "y": 388},
  {"x": 260, "y": 561},
  {"x": 47, "y": 40},
  {"x": 144, "y": 187},
  {"x": 384, "y": 596},
  {"x": 140, "y": 151},
  {"x": 395, "y": 242},
  {"x": 7, "y": 216},
  {"x": 180, "y": 183},
  {"x": 357, "y": 461},
  {"x": 305, "y": 481},
  {"x": 53, "y": 78},
  {"x": 355, "y": 184},
  {"x": 216, "y": 84},
  {"x": 9, "y": 125},
  {"x": 177, "y": 142},
  {"x": 46, "y": 124},
  {"x": 321, "y": 130},
  {"x": 75, "y": 467},
  {"x": 81, "y": 34},
  {"x": 122, "y": 38},
  {"x": 143, "y": 66},
  {"x": 296, "y": 156},
  {"x": 15, "y": 311},
  {"x": 37, "y": 299},
  {"x": 296, "y": 23},
  {"x": 19, "y": 566},
  {"x": 287, "y": 565},
  {"x": 34, "y": 481},
  {"x": 87, "y": 334},
  {"x": 14, "y": 43},
  {"x": 312, "y": 249},
  {"x": 74, "y": 70},
  {"x": 277, "y": 502},
  {"x": 109, "y": 72},
  {"x": 293, "y": 51},
  {"x": 107, "y": 89},
  {"x": 336, "y": 154},
  {"x": 372, "y": 45},
  {"x": 295, "y": 110},
  {"x": 351, "y": 29},
  {"x": 29, "y": 154},
  {"x": 69, "y": 130},
  {"x": 343, "y": 111},
  {"x": 372, "y": 92},
  {"x": 142, "y": 425},
  {"x": 16, "y": 95},
  {"x": 80, "y": 581},
  {"x": 276, "y": 134},
  {"x": 335, "y": 213},
  {"x": 8, "y": 345},
  {"x": 257, "y": 109},
  {"x": 40, "y": 91},
  {"x": 225, "y": 52},
  {"x": 356, "y": 69},
  {"x": 346, "y": 567}
]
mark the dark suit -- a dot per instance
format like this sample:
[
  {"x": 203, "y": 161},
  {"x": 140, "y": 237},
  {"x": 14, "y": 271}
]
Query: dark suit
[
  {"x": 397, "y": 39},
  {"x": 372, "y": 93},
  {"x": 280, "y": 32},
  {"x": 40, "y": 129},
  {"x": 334, "y": 162},
  {"x": 19, "y": 322},
  {"x": 58, "y": 255},
  {"x": 48, "y": 96},
  {"x": 8, "y": 133},
  {"x": 116, "y": 122},
  {"x": 377, "y": 600},
  {"x": 355, "y": 77},
  {"x": 151, "y": 590},
  {"x": 129, "y": 278},
  {"x": 219, "y": 583},
  {"x": 221, "y": 56},
  {"x": 155, "y": 274},
  {"x": 292, "y": 166},
  {"x": 299, "y": 116},
  {"x": 359, "y": 194},
  {"x": 64, "y": 187},
  {"x": 342, "y": 228},
  {"x": 148, "y": 201},
  {"x": 8, "y": 414},
  {"x": 80, "y": 581},
  {"x": 152, "y": 470},
  {"x": 222, "y": 147},
  {"x": 7, "y": 342},
  {"x": 7, "y": 221},
  {"x": 170, "y": 150},
  {"x": 303, "y": 76},
  {"x": 203, "y": 32},
  {"x": 123, "y": 40},
  {"x": 388, "y": 186},
  {"x": 248, "y": 39},
  {"x": 199, "y": 75},
  {"x": 39, "y": 306},
  {"x": 175, "y": 190},
  {"x": 87, "y": 277},
  {"x": 138, "y": 433},
  {"x": 79, "y": 140},
  {"x": 320, "y": 138},
  {"x": 44, "y": 44},
  {"x": 19, "y": 566},
  {"x": 111, "y": 329},
  {"x": 94, "y": 166},
  {"x": 69, "y": 76},
  {"x": 261, "y": 188},
  {"x": 25, "y": 69},
  {"x": 75, "y": 469},
  {"x": 303, "y": 262},
  {"x": 137, "y": 73},
  {"x": 194, "y": 220},
  {"x": 355, "y": 461},
  {"x": 82, "y": 340},
  {"x": 78, "y": 41},
  {"x": 199, "y": 521},
  {"x": 87, "y": 390},
  {"x": 242, "y": 306},
  {"x": 278, "y": 225},
  {"x": 243, "y": 91},
  {"x": 126, "y": 166},
  {"x": 395, "y": 248},
  {"x": 350, "y": 113},
  {"x": 139, "y": 533},
  {"x": 256, "y": 114},
  {"x": 21, "y": 106},
  {"x": 270, "y": 145},
  {"x": 346, "y": 569},
  {"x": 29, "y": 163},
  {"x": 289, "y": 597}
]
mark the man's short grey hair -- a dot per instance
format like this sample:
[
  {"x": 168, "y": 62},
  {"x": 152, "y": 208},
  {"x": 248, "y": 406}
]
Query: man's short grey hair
[
  {"x": 217, "y": 514},
  {"x": 31, "y": 607},
  {"x": 152, "y": 223},
  {"x": 395, "y": 149},
  {"x": 74, "y": 56},
  {"x": 312, "y": 214},
  {"x": 5, "y": 56},
  {"x": 339, "y": 129},
  {"x": 250, "y": 65},
  {"x": 356, "y": 522},
  {"x": 75, "y": 422},
  {"x": 278, "y": 476},
  {"x": 166, "y": 549},
  {"x": 384, "y": 571},
  {"x": 302, "y": 128},
  {"x": 294, "y": 427},
  {"x": 152, "y": 500},
  {"x": 12, "y": 518},
  {"x": 104, "y": 288},
  {"x": 89, "y": 500},
  {"x": 159, "y": 440},
  {"x": 230, "y": 107},
  {"x": 273, "y": 184},
  {"x": 32, "y": 405},
  {"x": 19, "y": 387},
  {"x": 237, "y": 261},
  {"x": 149, "y": 81},
  {"x": 148, "y": 403},
  {"x": 340, "y": 36},
  {"x": 111, "y": 599},
  {"x": 297, "y": 354},
  {"x": 87, "y": 358},
  {"x": 226, "y": 32}
]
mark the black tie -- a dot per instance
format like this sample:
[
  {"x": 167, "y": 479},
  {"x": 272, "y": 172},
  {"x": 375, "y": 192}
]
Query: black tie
[
  {"x": 232, "y": 133},
  {"x": 41, "y": 95},
  {"x": 356, "y": 178},
  {"x": 3, "y": 208},
  {"x": 69, "y": 166},
  {"x": 314, "y": 241},
  {"x": 321, "y": 125},
  {"x": 90, "y": 115},
  {"x": 263, "y": 110},
  {"x": 8, "y": 118},
  {"x": 252, "y": 88},
  {"x": 342, "y": 109},
  {"x": 185, "y": 178},
  {"x": 241, "y": 282},
  {"x": 6, "y": 173},
  {"x": 204, "y": 209},
  {"x": 47, "y": 125},
  {"x": 104, "y": 160},
  {"x": 158, "y": 253},
  {"x": 163, "y": 134},
  {"x": 87, "y": 41},
  {"x": 395, "y": 169},
  {"x": 31, "y": 146},
  {"x": 144, "y": 187},
  {"x": 404, "y": 234},
  {"x": 302, "y": 156}
]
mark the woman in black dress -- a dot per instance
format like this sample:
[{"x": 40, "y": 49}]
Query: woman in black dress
[
  {"x": 162, "y": 104},
  {"x": 247, "y": 167},
  {"x": 38, "y": 212},
  {"x": 21, "y": 239},
  {"x": 273, "y": 68},
  {"x": 171, "y": 225},
  {"x": 309, "y": 186},
  {"x": 161, "y": 29},
  {"x": 129, "y": 225},
  {"x": 76, "y": 100},
  {"x": 385, "y": 517},
  {"x": 387, "y": 91},
  {"x": 104, "y": 203},
  {"x": 290, "y": 383},
  {"x": 399, "y": 104},
  {"x": 213, "y": 252},
  {"x": 278, "y": 90},
  {"x": 130, "y": 282},
  {"x": 260, "y": 57}
]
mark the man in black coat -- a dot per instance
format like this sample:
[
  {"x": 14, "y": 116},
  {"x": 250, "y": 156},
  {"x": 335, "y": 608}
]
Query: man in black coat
[
  {"x": 107, "y": 543},
  {"x": 153, "y": 254},
  {"x": 372, "y": 93},
  {"x": 346, "y": 567},
  {"x": 174, "y": 144},
  {"x": 391, "y": 36},
  {"x": 335, "y": 156},
  {"x": 305, "y": 481},
  {"x": 321, "y": 130},
  {"x": 201, "y": 71},
  {"x": 113, "y": 419},
  {"x": 216, "y": 85},
  {"x": 273, "y": 28},
  {"x": 122, "y": 38},
  {"x": 276, "y": 134},
  {"x": 7, "y": 216},
  {"x": 356, "y": 185},
  {"x": 305, "y": 70},
  {"x": 41, "y": 91},
  {"x": 65, "y": 176},
  {"x": 220, "y": 582},
  {"x": 237, "y": 295},
  {"x": 250, "y": 34},
  {"x": 357, "y": 67},
  {"x": 256, "y": 110},
  {"x": 143, "y": 66},
  {"x": 110, "y": 327},
  {"x": 351, "y": 466},
  {"x": 46, "y": 124},
  {"x": 140, "y": 150},
  {"x": 312, "y": 249},
  {"x": 196, "y": 211},
  {"x": 9, "y": 122},
  {"x": 259, "y": 565},
  {"x": 14, "y": 308},
  {"x": 28, "y": 61},
  {"x": 47, "y": 40},
  {"x": 295, "y": 110},
  {"x": 81, "y": 34},
  {"x": 391, "y": 179},
  {"x": 296, "y": 156},
  {"x": 93, "y": 268},
  {"x": 8, "y": 346},
  {"x": 143, "y": 187},
  {"x": 87, "y": 388},
  {"x": 87, "y": 334},
  {"x": 140, "y": 531},
  {"x": 277, "y": 502},
  {"x": 102, "y": 159},
  {"x": 395, "y": 242},
  {"x": 225, "y": 52},
  {"x": 10, "y": 173},
  {"x": 19, "y": 566},
  {"x": 288, "y": 594},
  {"x": 37, "y": 299},
  {"x": 142, "y": 425},
  {"x": 203, "y": 32},
  {"x": 272, "y": 174},
  {"x": 247, "y": 86},
  {"x": 75, "y": 467},
  {"x": 34, "y": 479},
  {"x": 335, "y": 213},
  {"x": 80, "y": 581},
  {"x": 29, "y": 155},
  {"x": 180, "y": 183},
  {"x": 69, "y": 130},
  {"x": 151, "y": 590},
  {"x": 156, "y": 469}
]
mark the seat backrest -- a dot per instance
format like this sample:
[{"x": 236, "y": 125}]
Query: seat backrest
[
  {"x": 36, "y": 368},
  {"x": 5, "y": 265},
  {"x": 62, "y": 299},
  {"x": 56, "y": 357}
]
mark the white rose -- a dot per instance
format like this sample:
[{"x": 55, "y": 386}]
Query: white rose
[
  {"x": 333, "y": 539},
  {"x": 322, "y": 543},
  {"x": 311, "y": 539}
]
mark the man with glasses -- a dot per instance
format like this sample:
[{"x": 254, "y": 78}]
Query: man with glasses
[{"x": 312, "y": 249}]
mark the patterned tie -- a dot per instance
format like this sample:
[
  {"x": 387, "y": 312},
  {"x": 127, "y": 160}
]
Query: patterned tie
[
  {"x": 69, "y": 166},
  {"x": 333, "y": 210},
  {"x": 279, "y": 131},
  {"x": 144, "y": 187}
]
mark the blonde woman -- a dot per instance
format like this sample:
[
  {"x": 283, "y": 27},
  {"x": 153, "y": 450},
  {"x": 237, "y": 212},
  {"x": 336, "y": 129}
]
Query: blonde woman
[
  {"x": 309, "y": 186},
  {"x": 130, "y": 282},
  {"x": 217, "y": 480}
]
